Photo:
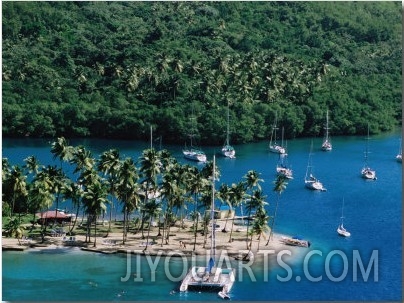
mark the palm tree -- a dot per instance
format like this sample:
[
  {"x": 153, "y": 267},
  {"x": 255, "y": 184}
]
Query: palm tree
[
  {"x": 83, "y": 159},
  {"x": 14, "y": 228},
  {"x": 251, "y": 182},
  {"x": 41, "y": 195},
  {"x": 94, "y": 202},
  {"x": 237, "y": 193},
  {"x": 255, "y": 202},
  {"x": 152, "y": 210},
  {"x": 109, "y": 164},
  {"x": 57, "y": 178},
  {"x": 280, "y": 186},
  {"x": 224, "y": 194},
  {"x": 195, "y": 186},
  {"x": 60, "y": 149},
  {"x": 16, "y": 183},
  {"x": 32, "y": 164},
  {"x": 260, "y": 226},
  {"x": 128, "y": 191},
  {"x": 171, "y": 192},
  {"x": 74, "y": 192},
  {"x": 150, "y": 168},
  {"x": 84, "y": 162}
]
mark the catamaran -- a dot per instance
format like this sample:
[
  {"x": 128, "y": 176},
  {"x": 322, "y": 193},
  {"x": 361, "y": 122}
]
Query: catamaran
[
  {"x": 210, "y": 276},
  {"x": 227, "y": 149},
  {"x": 310, "y": 181},
  {"x": 341, "y": 229},
  {"x": 326, "y": 146},
  {"x": 273, "y": 145},
  {"x": 193, "y": 153},
  {"x": 367, "y": 172}
]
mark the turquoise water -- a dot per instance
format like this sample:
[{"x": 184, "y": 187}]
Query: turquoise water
[{"x": 373, "y": 214}]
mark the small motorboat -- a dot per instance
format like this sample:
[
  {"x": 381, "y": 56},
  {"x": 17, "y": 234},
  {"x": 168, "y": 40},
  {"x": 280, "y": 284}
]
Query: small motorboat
[
  {"x": 295, "y": 241},
  {"x": 223, "y": 294}
]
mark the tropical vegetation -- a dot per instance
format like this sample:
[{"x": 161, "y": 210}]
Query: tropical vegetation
[
  {"x": 112, "y": 69},
  {"x": 155, "y": 188}
]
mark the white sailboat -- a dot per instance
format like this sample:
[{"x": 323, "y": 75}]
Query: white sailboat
[
  {"x": 227, "y": 149},
  {"x": 399, "y": 156},
  {"x": 310, "y": 181},
  {"x": 366, "y": 172},
  {"x": 341, "y": 229},
  {"x": 193, "y": 153},
  {"x": 210, "y": 276},
  {"x": 326, "y": 146},
  {"x": 282, "y": 167},
  {"x": 273, "y": 145}
]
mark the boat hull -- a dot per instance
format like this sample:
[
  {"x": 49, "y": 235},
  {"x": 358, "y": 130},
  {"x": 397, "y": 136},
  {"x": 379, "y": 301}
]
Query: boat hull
[
  {"x": 198, "y": 277},
  {"x": 368, "y": 174},
  {"x": 314, "y": 185},
  {"x": 275, "y": 148},
  {"x": 343, "y": 232},
  {"x": 285, "y": 172},
  {"x": 229, "y": 152},
  {"x": 194, "y": 155},
  {"x": 326, "y": 146},
  {"x": 295, "y": 242}
]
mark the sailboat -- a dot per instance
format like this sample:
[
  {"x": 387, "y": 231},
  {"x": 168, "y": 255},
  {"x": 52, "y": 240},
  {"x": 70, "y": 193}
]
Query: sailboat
[
  {"x": 193, "y": 153},
  {"x": 210, "y": 276},
  {"x": 310, "y": 181},
  {"x": 227, "y": 149},
  {"x": 326, "y": 146},
  {"x": 273, "y": 145},
  {"x": 399, "y": 156},
  {"x": 341, "y": 229},
  {"x": 367, "y": 172},
  {"x": 282, "y": 167}
]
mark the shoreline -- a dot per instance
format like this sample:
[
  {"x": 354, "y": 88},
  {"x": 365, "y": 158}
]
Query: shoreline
[{"x": 181, "y": 244}]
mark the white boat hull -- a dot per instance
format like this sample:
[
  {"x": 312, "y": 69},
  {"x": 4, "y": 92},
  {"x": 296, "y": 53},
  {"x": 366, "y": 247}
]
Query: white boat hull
[
  {"x": 327, "y": 146},
  {"x": 194, "y": 155},
  {"x": 229, "y": 152},
  {"x": 295, "y": 242},
  {"x": 217, "y": 278},
  {"x": 343, "y": 232},
  {"x": 314, "y": 185},
  {"x": 286, "y": 172},
  {"x": 368, "y": 174},
  {"x": 275, "y": 148}
]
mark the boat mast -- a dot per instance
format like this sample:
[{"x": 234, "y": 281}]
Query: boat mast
[
  {"x": 309, "y": 161},
  {"x": 283, "y": 131},
  {"x": 212, "y": 218},
  {"x": 151, "y": 137},
  {"x": 228, "y": 122},
  {"x": 326, "y": 128},
  {"x": 342, "y": 211},
  {"x": 273, "y": 132},
  {"x": 367, "y": 148}
]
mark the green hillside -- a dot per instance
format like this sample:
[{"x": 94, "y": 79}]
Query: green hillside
[{"x": 112, "y": 69}]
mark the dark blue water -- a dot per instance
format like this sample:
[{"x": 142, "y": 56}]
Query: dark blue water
[{"x": 373, "y": 215}]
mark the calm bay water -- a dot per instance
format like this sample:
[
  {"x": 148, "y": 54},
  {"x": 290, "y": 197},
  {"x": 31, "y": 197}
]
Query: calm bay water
[{"x": 373, "y": 214}]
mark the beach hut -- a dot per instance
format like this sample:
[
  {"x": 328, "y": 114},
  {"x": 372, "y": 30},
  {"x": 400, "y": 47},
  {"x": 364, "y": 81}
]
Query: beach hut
[{"x": 52, "y": 216}]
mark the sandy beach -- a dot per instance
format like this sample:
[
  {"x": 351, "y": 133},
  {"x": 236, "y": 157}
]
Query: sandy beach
[{"x": 181, "y": 242}]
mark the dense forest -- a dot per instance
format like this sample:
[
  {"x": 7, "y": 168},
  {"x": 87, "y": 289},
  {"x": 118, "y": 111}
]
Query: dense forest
[{"x": 113, "y": 69}]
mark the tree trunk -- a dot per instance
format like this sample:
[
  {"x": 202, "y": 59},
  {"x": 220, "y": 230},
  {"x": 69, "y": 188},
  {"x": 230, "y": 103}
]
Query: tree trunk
[
  {"x": 148, "y": 233},
  {"x": 95, "y": 231}
]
